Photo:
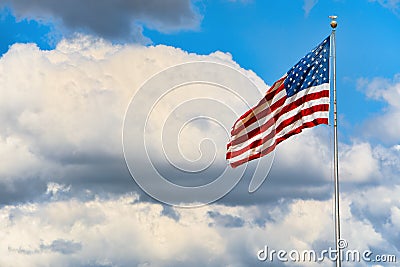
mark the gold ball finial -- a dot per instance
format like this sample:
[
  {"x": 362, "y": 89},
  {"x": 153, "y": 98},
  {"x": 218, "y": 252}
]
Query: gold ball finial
[{"x": 333, "y": 21}]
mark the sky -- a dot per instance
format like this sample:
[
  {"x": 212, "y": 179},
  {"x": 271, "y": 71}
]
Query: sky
[{"x": 73, "y": 77}]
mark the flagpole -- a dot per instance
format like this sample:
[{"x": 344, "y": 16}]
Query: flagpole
[{"x": 336, "y": 157}]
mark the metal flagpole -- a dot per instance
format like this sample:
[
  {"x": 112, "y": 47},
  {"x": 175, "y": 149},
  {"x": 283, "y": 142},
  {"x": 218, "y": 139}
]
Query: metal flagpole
[{"x": 336, "y": 160}]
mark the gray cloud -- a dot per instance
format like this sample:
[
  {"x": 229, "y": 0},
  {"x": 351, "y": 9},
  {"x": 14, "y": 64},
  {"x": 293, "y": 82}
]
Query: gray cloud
[
  {"x": 131, "y": 232},
  {"x": 61, "y": 246},
  {"x": 225, "y": 220},
  {"x": 115, "y": 20}
]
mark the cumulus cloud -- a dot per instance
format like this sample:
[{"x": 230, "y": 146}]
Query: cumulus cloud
[
  {"x": 62, "y": 111},
  {"x": 385, "y": 126},
  {"x": 359, "y": 164},
  {"x": 62, "y": 115},
  {"x": 64, "y": 182},
  {"x": 121, "y": 20},
  {"x": 123, "y": 231}
]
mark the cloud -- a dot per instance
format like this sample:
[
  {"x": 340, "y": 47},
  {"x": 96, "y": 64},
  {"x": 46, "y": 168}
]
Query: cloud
[
  {"x": 383, "y": 126},
  {"x": 393, "y": 5},
  {"x": 59, "y": 245},
  {"x": 62, "y": 111},
  {"x": 308, "y": 5},
  {"x": 123, "y": 231},
  {"x": 68, "y": 200},
  {"x": 359, "y": 164},
  {"x": 121, "y": 20},
  {"x": 62, "y": 115}
]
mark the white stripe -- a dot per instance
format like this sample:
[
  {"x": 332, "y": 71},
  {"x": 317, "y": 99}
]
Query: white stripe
[
  {"x": 305, "y": 119},
  {"x": 256, "y": 124},
  {"x": 306, "y": 105},
  {"x": 270, "y": 142},
  {"x": 287, "y": 129},
  {"x": 282, "y": 118},
  {"x": 311, "y": 90}
]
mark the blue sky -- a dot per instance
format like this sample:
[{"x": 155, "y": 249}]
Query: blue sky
[{"x": 68, "y": 71}]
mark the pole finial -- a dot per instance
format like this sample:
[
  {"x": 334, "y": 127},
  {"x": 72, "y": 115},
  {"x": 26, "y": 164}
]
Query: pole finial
[{"x": 333, "y": 21}]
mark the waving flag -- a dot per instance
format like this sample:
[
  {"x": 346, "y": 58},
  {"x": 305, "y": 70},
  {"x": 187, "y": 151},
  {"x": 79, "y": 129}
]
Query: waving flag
[{"x": 298, "y": 100}]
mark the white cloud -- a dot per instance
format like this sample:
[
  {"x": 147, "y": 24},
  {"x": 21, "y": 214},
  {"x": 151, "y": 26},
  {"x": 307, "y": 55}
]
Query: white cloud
[
  {"x": 357, "y": 163},
  {"x": 308, "y": 5},
  {"x": 385, "y": 126},
  {"x": 61, "y": 118},
  {"x": 66, "y": 106},
  {"x": 124, "y": 231}
]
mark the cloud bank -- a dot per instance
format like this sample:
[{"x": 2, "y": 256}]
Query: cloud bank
[{"x": 115, "y": 20}]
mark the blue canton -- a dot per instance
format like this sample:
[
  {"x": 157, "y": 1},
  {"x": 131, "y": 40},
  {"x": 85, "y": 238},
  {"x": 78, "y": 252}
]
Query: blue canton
[{"x": 311, "y": 70}]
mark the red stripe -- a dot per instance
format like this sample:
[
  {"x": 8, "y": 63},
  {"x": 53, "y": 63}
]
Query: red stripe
[
  {"x": 268, "y": 150},
  {"x": 309, "y": 124},
  {"x": 302, "y": 113},
  {"x": 271, "y": 93},
  {"x": 254, "y": 144},
  {"x": 284, "y": 124},
  {"x": 254, "y": 156},
  {"x": 291, "y": 106},
  {"x": 268, "y": 97},
  {"x": 276, "y": 105}
]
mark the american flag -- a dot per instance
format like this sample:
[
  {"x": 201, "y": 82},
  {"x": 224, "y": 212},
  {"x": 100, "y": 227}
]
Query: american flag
[{"x": 298, "y": 100}]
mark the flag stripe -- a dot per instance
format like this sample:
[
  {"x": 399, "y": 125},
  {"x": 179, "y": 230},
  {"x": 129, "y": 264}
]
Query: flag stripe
[
  {"x": 308, "y": 115},
  {"x": 278, "y": 102},
  {"x": 269, "y": 149},
  {"x": 256, "y": 112},
  {"x": 298, "y": 100},
  {"x": 254, "y": 129}
]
